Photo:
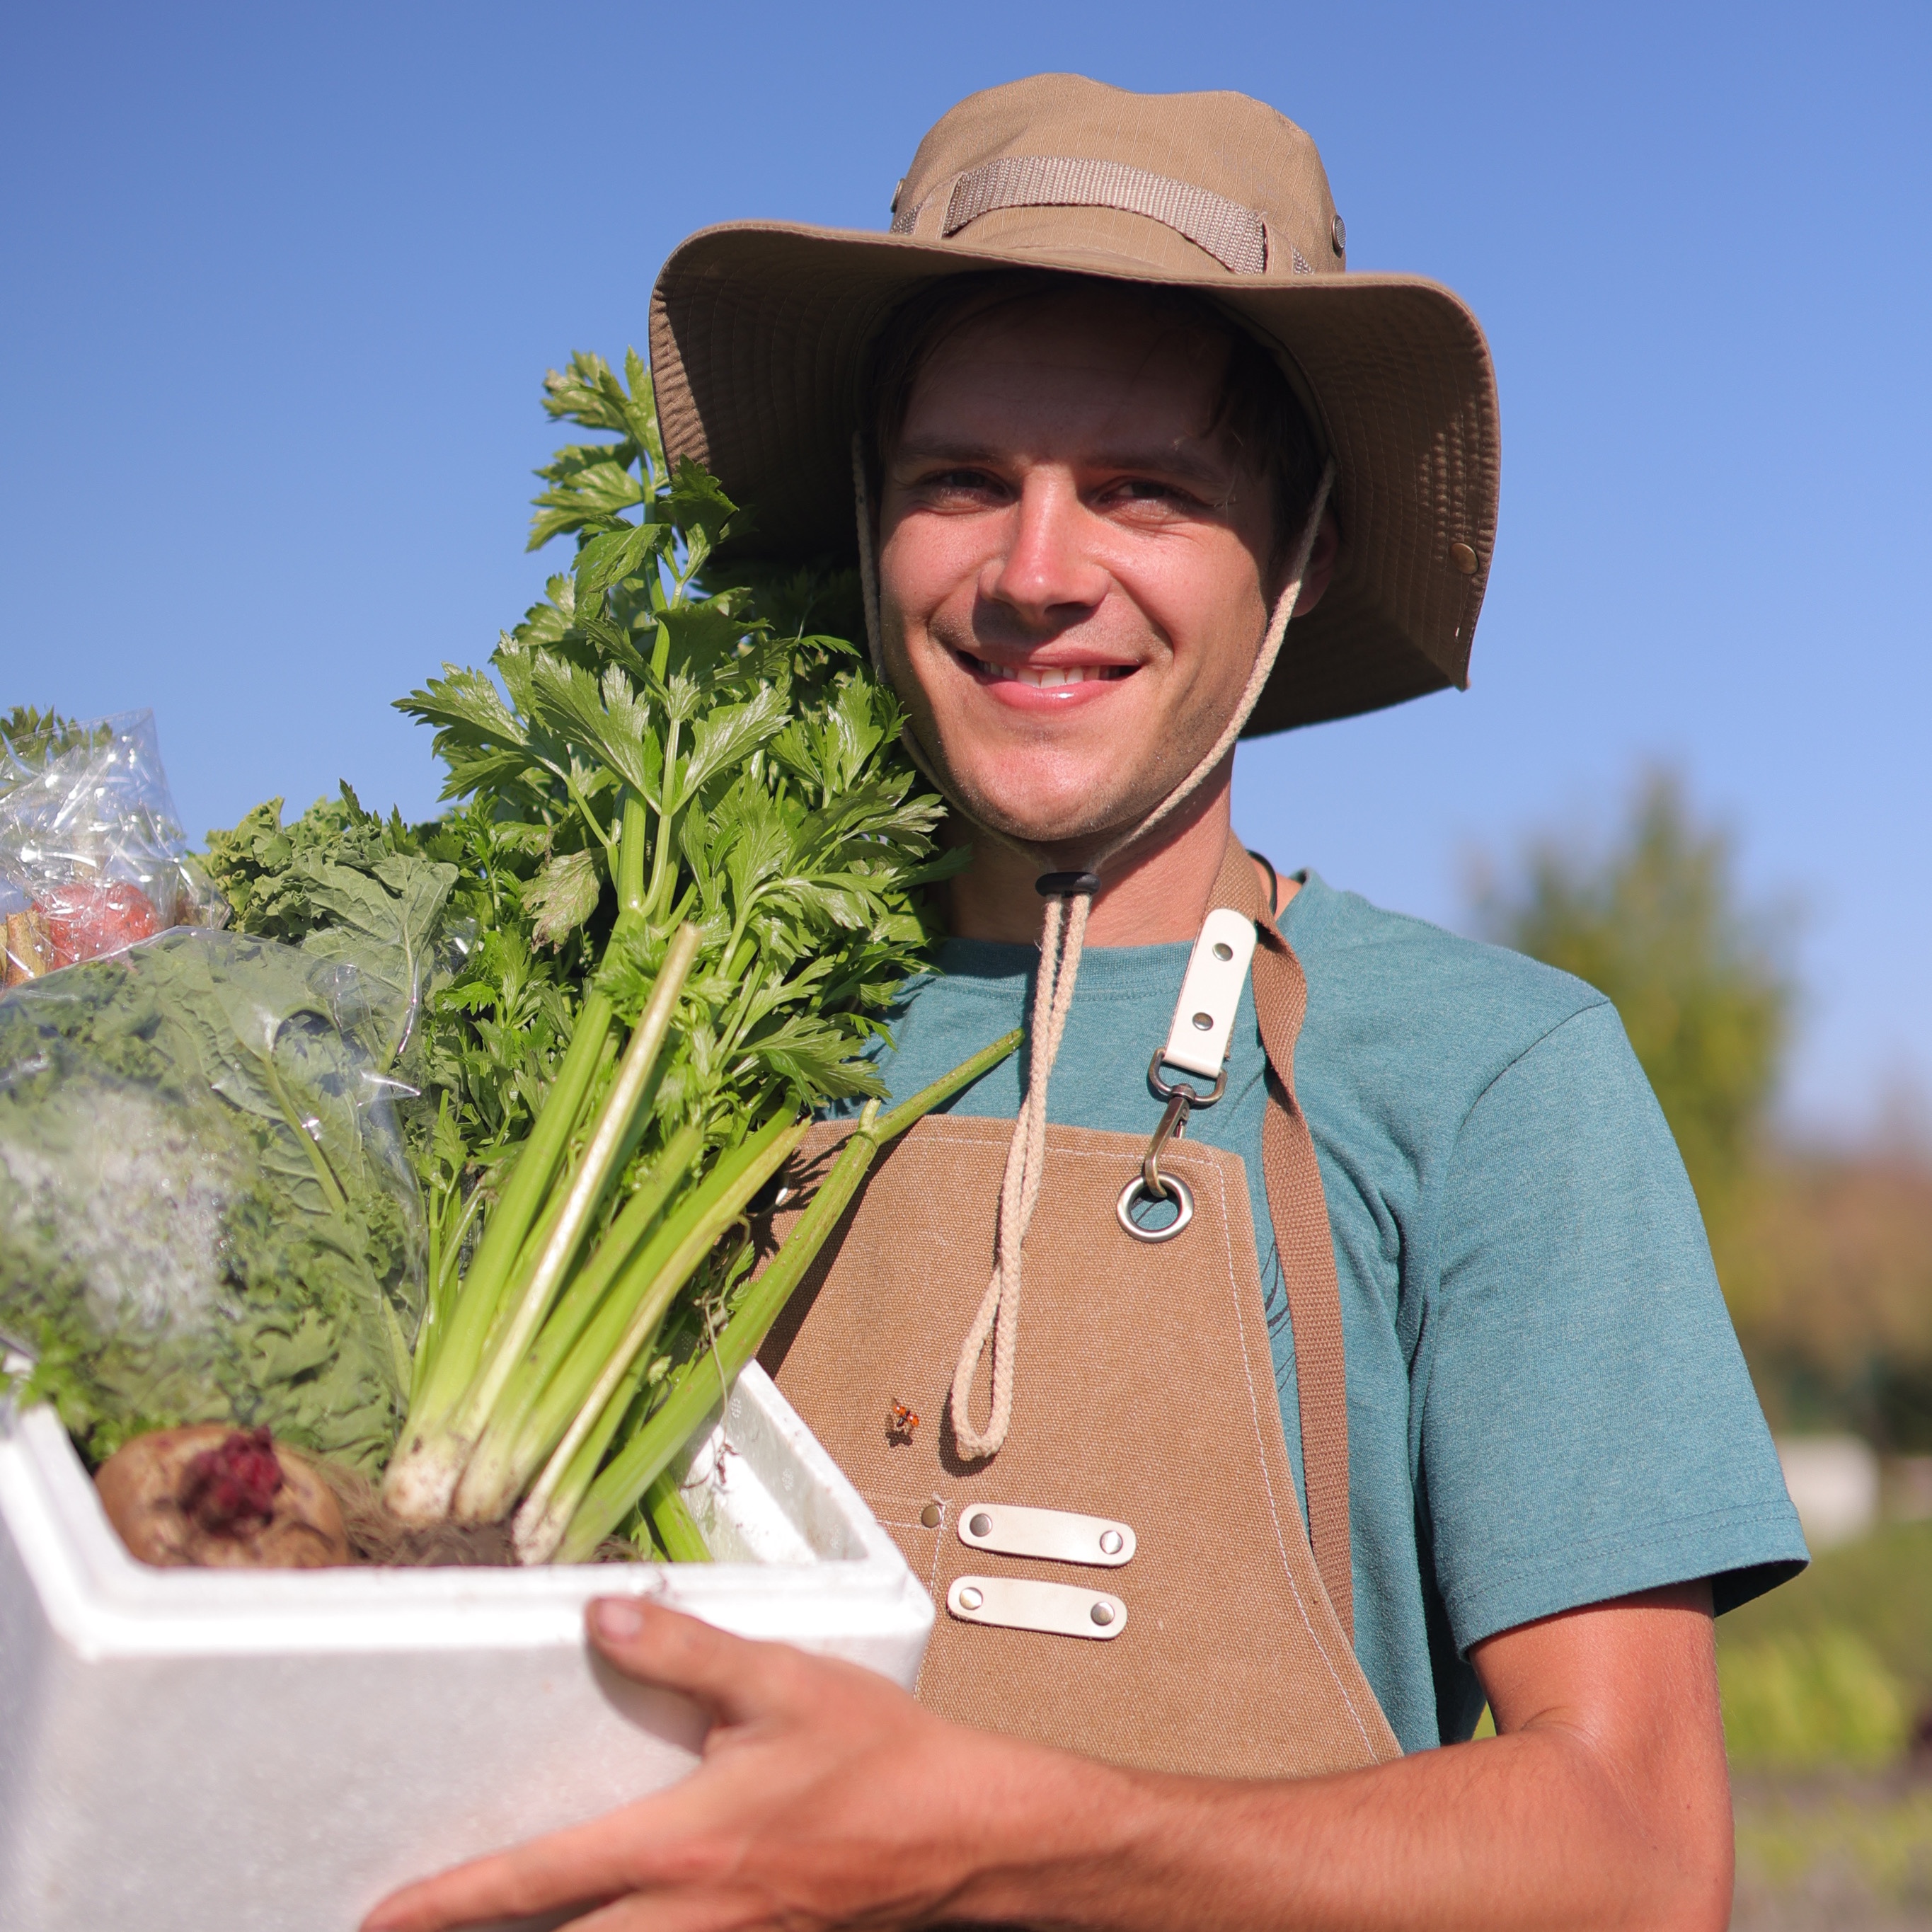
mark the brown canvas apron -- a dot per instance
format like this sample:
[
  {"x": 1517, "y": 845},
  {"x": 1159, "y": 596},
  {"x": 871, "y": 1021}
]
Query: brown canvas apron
[{"x": 1145, "y": 1396}]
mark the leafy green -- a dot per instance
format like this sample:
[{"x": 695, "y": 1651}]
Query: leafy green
[
  {"x": 30, "y": 740},
  {"x": 679, "y": 812},
  {"x": 205, "y": 1214},
  {"x": 344, "y": 885}
]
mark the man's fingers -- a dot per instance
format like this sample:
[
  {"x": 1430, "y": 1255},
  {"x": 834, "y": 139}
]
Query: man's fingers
[
  {"x": 700, "y": 1910},
  {"x": 730, "y": 1675},
  {"x": 645, "y": 1845},
  {"x": 582, "y": 1866}
]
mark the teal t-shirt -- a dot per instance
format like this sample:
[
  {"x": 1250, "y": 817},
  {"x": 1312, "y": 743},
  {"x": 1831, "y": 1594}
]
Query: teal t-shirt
[{"x": 1547, "y": 1406}]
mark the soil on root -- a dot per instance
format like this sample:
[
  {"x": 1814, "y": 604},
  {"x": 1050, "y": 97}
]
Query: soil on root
[{"x": 378, "y": 1536}]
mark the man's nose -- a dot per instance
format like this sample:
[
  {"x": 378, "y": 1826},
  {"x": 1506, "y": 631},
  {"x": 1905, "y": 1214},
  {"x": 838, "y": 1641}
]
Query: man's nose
[{"x": 1047, "y": 571}]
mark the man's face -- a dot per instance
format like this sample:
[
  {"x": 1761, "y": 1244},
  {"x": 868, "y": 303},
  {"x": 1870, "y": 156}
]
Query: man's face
[{"x": 1073, "y": 563}]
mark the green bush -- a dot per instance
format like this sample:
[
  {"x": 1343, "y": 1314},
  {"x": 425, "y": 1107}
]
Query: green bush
[
  {"x": 1800, "y": 1702},
  {"x": 1879, "y": 1588}
]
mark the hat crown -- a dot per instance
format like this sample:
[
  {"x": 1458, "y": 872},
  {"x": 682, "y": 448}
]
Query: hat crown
[{"x": 1000, "y": 169}]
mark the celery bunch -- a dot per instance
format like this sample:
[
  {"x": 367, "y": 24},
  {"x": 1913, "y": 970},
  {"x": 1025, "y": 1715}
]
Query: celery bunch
[{"x": 697, "y": 807}]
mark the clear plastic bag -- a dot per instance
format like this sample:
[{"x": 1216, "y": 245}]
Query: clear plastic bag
[
  {"x": 93, "y": 857},
  {"x": 206, "y": 1212}
]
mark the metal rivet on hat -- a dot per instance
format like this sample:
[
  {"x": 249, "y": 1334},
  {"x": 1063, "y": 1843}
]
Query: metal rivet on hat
[
  {"x": 1463, "y": 558},
  {"x": 930, "y": 1516},
  {"x": 982, "y": 1525},
  {"x": 970, "y": 1599},
  {"x": 1338, "y": 234},
  {"x": 898, "y": 189},
  {"x": 1110, "y": 1541},
  {"x": 1103, "y": 1614}
]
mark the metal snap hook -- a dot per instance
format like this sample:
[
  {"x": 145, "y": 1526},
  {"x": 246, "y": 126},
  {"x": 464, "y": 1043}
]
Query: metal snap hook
[
  {"x": 1172, "y": 1188},
  {"x": 1151, "y": 1184}
]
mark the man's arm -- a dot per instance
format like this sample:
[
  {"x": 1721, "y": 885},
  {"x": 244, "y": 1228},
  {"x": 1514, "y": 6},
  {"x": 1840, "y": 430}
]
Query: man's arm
[{"x": 827, "y": 1797}]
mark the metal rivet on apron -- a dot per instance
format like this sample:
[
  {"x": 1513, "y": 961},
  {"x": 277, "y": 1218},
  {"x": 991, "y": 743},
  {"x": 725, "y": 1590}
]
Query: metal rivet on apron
[
  {"x": 1463, "y": 558},
  {"x": 1204, "y": 1022},
  {"x": 1223, "y": 950},
  {"x": 930, "y": 1516},
  {"x": 1020, "y": 1603},
  {"x": 1059, "y": 1536}
]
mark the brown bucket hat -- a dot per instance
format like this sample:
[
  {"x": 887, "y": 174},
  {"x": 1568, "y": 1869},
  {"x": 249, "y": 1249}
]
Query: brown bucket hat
[{"x": 759, "y": 331}]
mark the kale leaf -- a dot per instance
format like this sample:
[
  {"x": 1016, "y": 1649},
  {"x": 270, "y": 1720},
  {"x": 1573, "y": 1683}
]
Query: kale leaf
[{"x": 205, "y": 1212}]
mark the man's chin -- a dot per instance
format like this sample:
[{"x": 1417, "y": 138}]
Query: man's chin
[{"x": 1068, "y": 825}]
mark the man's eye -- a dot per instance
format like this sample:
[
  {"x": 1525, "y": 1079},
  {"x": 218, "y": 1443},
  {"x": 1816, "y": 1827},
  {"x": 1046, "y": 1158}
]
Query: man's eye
[
  {"x": 940, "y": 485},
  {"x": 1147, "y": 490}
]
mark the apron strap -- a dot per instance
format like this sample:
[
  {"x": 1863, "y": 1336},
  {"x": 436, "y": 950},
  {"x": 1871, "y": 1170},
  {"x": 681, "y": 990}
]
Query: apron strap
[{"x": 1306, "y": 1249}]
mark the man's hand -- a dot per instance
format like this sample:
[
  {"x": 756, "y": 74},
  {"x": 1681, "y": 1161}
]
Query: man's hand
[{"x": 827, "y": 1797}]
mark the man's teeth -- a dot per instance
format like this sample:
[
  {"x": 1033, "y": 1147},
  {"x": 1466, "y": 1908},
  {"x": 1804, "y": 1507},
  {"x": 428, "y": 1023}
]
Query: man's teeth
[{"x": 1048, "y": 675}]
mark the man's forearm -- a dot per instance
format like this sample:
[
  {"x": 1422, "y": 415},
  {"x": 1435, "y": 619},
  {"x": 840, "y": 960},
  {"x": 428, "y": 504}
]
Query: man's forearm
[
  {"x": 1606, "y": 1803},
  {"x": 1527, "y": 1831}
]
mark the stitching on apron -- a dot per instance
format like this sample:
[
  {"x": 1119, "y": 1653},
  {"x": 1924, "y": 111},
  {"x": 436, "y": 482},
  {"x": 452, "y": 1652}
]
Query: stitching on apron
[
  {"x": 934, "y": 1131},
  {"x": 1274, "y": 1514},
  {"x": 932, "y": 1575}
]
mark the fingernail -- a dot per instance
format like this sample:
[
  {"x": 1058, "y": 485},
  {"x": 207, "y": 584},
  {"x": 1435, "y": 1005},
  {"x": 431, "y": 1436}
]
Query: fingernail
[{"x": 616, "y": 1619}]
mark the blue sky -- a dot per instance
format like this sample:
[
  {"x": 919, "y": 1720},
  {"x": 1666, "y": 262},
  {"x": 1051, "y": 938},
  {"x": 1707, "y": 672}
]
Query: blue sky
[{"x": 280, "y": 283}]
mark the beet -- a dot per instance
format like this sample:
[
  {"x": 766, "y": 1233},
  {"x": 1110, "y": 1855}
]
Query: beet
[
  {"x": 221, "y": 1498},
  {"x": 231, "y": 1489}
]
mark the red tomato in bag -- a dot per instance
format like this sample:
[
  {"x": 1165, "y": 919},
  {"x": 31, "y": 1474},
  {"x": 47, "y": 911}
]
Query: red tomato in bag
[{"x": 87, "y": 922}]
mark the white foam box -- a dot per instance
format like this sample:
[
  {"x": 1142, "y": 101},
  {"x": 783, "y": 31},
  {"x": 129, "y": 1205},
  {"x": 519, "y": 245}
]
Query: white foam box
[{"x": 201, "y": 1751}]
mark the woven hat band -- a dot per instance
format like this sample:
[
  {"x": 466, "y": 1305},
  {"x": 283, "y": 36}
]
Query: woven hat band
[{"x": 1237, "y": 237}]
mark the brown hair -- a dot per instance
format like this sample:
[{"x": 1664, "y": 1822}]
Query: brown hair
[{"x": 1257, "y": 408}]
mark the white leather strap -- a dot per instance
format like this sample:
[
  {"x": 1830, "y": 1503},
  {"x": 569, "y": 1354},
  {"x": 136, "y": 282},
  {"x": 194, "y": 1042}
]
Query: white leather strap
[{"x": 1210, "y": 994}]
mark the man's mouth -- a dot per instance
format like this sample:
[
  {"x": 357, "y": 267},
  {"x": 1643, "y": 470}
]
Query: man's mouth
[{"x": 1044, "y": 677}]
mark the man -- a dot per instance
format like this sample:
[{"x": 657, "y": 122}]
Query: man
[{"x": 1139, "y": 465}]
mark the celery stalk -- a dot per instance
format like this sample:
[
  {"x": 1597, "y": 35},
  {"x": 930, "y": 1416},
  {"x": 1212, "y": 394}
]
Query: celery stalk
[
  {"x": 422, "y": 1477},
  {"x": 711, "y": 1207},
  {"x": 528, "y": 1298},
  {"x": 617, "y": 1488},
  {"x": 672, "y": 1522},
  {"x": 491, "y": 1479},
  {"x": 630, "y": 856}
]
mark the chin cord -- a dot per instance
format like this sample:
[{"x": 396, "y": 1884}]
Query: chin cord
[{"x": 1069, "y": 897}]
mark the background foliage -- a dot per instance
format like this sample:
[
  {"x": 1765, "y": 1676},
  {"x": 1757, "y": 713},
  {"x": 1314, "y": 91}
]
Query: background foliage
[{"x": 1826, "y": 1255}]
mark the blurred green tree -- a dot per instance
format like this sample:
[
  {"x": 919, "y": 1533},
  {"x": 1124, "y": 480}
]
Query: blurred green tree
[{"x": 1655, "y": 920}]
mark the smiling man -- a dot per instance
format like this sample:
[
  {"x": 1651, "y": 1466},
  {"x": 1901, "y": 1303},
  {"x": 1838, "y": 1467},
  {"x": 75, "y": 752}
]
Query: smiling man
[
  {"x": 1089, "y": 498},
  {"x": 1318, "y": 1337}
]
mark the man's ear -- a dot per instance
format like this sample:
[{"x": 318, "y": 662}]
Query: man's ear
[{"x": 1321, "y": 561}]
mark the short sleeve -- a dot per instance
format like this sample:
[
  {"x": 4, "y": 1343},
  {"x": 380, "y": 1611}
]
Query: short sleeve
[{"x": 1588, "y": 1426}]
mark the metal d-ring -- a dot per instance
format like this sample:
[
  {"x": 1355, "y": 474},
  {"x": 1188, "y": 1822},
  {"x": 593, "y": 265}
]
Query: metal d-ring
[
  {"x": 1181, "y": 1087},
  {"x": 1173, "y": 1189}
]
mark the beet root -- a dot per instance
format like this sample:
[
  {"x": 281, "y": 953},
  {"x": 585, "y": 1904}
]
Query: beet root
[{"x": 221, "y": 1499}]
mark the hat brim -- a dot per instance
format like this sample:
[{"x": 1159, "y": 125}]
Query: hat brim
[{"x": 758, "y": 335}]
